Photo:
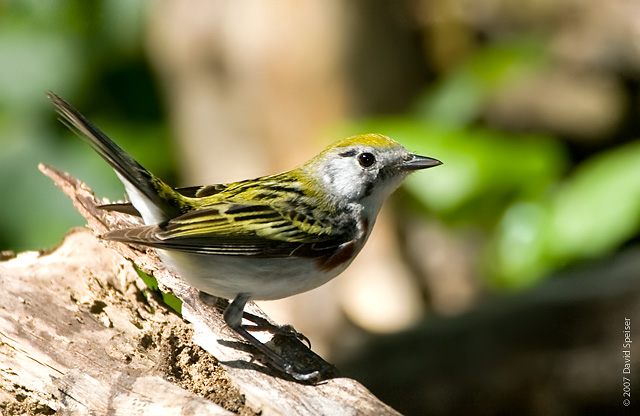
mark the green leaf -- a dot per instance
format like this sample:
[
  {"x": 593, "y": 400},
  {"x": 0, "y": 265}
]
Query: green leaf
[
  {"x": 598, "y": 207},
  {"x": 169, "y": 299}
]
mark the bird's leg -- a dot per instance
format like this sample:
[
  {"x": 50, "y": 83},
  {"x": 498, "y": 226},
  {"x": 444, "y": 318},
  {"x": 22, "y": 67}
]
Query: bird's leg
[
  {"x": 262, "y": 324},
  {"x": 233, "y": 318}
]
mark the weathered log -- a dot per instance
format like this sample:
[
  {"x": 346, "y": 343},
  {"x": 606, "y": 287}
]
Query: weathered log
[{"x": 80, "y": 333}]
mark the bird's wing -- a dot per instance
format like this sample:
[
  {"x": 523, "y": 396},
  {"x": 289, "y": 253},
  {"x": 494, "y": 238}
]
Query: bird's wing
[
  {"x": 239, "y": 229},
  {"x": 201, "y": 191},
  {"x": 189, "y": 191}
]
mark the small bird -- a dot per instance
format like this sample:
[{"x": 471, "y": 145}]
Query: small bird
[{"x": 265, "y": 238}]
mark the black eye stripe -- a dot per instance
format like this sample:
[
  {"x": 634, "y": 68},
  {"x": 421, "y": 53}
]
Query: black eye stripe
[{"x": 348, "y": 153}]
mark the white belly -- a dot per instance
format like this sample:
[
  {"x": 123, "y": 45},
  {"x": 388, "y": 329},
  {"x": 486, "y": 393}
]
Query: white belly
[{"x": 260, "y": 278}]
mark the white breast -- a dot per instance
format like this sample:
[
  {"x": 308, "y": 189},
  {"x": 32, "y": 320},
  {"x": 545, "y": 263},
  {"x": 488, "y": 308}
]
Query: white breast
[{"x": 260, "y": 278}]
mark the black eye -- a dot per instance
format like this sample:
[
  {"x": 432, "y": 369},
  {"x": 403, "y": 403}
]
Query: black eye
[{"x": 366, "y": 159}]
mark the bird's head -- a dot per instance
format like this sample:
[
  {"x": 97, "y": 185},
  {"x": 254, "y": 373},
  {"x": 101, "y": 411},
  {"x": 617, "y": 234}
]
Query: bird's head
[{"x": 364, "y": 169}]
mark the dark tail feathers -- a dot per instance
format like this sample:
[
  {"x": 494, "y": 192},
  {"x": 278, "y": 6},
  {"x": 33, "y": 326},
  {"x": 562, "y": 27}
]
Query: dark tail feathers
[{"x": 124, "y": 165}]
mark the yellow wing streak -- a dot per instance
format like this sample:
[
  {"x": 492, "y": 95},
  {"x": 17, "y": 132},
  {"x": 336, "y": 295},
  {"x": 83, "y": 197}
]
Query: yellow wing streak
[{"x": 246, "y": 220}]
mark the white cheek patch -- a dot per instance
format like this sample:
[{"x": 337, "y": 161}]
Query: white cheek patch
[{"x": 344, "y": 179}]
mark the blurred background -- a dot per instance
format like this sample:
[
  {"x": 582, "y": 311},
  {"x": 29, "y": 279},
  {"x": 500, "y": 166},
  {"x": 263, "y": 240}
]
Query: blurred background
[{"x": 498, "y": 283}]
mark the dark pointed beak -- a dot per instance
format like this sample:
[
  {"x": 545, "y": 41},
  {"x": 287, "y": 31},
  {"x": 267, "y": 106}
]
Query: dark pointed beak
[{"x": 419, "y": 162}]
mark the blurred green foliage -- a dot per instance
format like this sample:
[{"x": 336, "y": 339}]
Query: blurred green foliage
[
  {"x": 71, "y": 48},
  {"x": 536, "y": 211}
]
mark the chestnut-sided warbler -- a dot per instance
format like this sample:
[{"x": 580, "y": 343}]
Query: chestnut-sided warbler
[{"x": 265, "y": 238}]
